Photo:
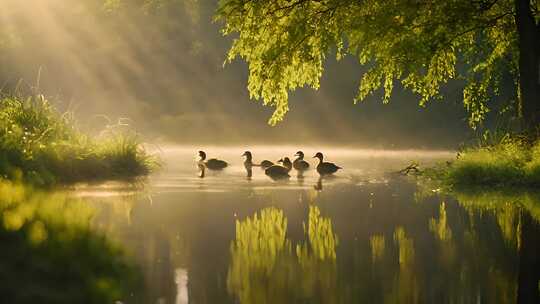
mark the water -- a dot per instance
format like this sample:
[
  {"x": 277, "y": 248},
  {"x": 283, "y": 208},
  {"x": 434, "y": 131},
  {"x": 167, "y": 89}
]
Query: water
[{"x": 365, "y": 236}]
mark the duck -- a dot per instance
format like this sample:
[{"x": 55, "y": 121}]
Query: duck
[
  {"x": 213, "y": 163},
  {"x": 280, "y": 172},
  {"x": 299, "y": 163},
  {"x": 248, "y": 163},
  {"x": 325, "y": 168},
  {"x": 265, "y": 164},
  {"x": 286, "y": 163}
]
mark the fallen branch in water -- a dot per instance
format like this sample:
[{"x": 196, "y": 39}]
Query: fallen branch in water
[{"x": 413, "y": 168}]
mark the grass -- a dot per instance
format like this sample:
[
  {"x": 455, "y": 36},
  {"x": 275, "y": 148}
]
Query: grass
[
  {"x": 509, "y": 162},
  {"x": 50, "y": 254},
  {"x": 41, "y": 146}
]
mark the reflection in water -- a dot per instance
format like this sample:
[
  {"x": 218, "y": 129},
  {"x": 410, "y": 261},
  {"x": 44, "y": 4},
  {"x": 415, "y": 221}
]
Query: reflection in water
[
  {"x": 317, "y": 259},
  {"x": 440, "y": 227},
  {"x": 320, "y": 181},
  {"x": 406, "y": 287},
  {"x": 255, "y": 275},
  {"x": 377, "y": 245},
  {"x": 322, "y": 240},
  {"x": 181, "y": 280},
  {"x": 280, "y": 244},
  {"x": 202, "y": 170},
  {"x": 518, "y": 217},
  {"x": 319, "y": 185},
  {"x": 49, "y": 255},
  {"x": 264, "y": 269}
]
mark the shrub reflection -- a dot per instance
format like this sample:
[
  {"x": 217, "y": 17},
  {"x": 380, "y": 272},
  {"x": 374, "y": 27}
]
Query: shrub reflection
[
  {"x": 50, "y": 255},
  {"x": 265, "y": 269}
]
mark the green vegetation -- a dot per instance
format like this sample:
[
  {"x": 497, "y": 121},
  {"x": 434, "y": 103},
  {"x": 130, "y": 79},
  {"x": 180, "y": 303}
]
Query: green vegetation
[
  {"x": 43, "y": 147},
  {"x": 418, "y": 44},
  {"x": 511, "y": 162},
  {"x": 50, "y": 255}
]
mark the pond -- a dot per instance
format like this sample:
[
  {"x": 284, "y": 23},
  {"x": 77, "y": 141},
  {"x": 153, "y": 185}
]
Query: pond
[{"x": 368, "y": 235}]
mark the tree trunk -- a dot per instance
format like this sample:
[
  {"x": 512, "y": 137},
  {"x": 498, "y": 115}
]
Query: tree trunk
[{"x": 529, "y": 64}]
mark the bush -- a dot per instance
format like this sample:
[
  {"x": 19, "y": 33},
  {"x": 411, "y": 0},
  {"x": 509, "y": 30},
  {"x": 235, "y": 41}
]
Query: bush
[
  {"x": 512, "y": 161},
  {"x": 43, "y": 147}
]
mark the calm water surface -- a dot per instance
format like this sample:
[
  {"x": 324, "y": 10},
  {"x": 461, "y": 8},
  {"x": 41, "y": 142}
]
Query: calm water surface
[{"x": 364, "y": 236}]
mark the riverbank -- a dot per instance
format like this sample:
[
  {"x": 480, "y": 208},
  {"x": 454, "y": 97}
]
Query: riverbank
[
  {"x": 43, "y": 147},
  {"x": 511, "y": 162}
]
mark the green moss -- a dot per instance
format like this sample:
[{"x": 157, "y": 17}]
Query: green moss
[{"x": 43, "y": 147}]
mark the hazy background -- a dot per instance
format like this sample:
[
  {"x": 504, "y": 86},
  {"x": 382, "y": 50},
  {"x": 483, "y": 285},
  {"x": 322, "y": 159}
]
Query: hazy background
[{"x": 161, "y": 65}]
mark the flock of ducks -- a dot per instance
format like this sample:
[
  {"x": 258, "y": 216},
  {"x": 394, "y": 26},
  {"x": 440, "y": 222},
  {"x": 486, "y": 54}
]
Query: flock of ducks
[{"x": 280, "y": 170}]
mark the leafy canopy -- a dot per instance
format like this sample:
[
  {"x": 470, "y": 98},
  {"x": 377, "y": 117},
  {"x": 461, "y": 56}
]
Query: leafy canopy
[{"x": 420, "y": 44}]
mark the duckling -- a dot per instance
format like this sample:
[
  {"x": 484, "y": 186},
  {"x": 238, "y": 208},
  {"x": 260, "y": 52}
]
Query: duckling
[
  {"x": 286, "y": 163},
  {"x": 248, "y": 163},
  {"x": 325, "y": 168},
  {"x": 212, "y": 164},
  {"x": 277, "y": 172},
  {"x": 265, "y": 164},
  {"x": 299, "y": 163},
  {"x": 249, "y": 157},
  {"x": 280, "y": 172}
]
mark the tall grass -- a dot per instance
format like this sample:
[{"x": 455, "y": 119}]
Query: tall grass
[
  {"x": 496, "y": 161},
  {"x": 41, "y": 146}
]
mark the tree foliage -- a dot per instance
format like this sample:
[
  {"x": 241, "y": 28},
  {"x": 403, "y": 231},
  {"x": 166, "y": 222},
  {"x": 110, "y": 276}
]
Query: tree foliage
[{"x": 420, "y": 44}]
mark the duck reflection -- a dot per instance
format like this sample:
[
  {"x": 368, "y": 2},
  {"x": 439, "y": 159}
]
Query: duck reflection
[
  {"x": 319, "y": 185},
  {"x": 202, "y": 170},
  {"x": 320, "y": 181}
]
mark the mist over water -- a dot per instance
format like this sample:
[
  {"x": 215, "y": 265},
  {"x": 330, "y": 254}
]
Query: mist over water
[
  {"x": 161, "y": 66},
  {"x": 359, "y": 166}
]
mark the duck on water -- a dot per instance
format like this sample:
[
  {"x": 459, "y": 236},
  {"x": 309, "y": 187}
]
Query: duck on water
[
  {"x": 249, "y": 161},
  {"x": 278, "y": 171},
  {"x": 325, "y": 168},
  {"x": 299, "y": 164},
  {"x": 265, "y": 164},
  {"x": 211, "y": 164}
]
